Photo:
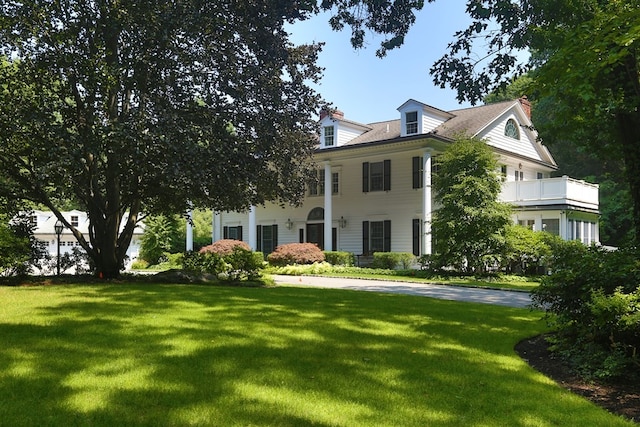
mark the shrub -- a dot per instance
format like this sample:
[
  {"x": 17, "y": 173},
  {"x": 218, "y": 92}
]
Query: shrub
[
  {"x": 240, "y": 264},
  {"x": 296, "y": 253},
  {"x": 592, "y": 298},
  {"x": 339, "y": 258},
  {"x": 393, "y": 260},
  {"x": 139, "y": 264},
  {"x": 225, "y": 247},
  {"x": 20, "y": 251}
]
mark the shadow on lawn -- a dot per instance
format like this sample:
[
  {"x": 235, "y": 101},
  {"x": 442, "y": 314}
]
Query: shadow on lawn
[{"x": 167, "y": 355}]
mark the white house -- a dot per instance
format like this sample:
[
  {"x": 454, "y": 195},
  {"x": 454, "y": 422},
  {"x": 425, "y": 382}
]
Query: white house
[
  {"x": 44, "y": 222},
  {"x": 374, "y": 191}
]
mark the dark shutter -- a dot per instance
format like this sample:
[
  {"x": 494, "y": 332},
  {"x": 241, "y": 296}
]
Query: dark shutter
[
  {"x": 225, "y": 232},
  {"x": 334, "y": 239},
  {"x": 416, "y": 236},
  {"x": 259, "y": 238},
  {"x": 417, "y": 172},
  {"x": 301, "y": 235},
  {"x": 387, "y": 236},
  {"x": 239, "y": 232},
  {"x": 365, "y": 237},
  {"x": 274, "y": 232},
  {"x": 365, "y": 177},
  {"x": 387, "y": 175}
]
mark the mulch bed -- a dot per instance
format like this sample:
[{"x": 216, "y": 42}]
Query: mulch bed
[{"x": 622, "y": 398}]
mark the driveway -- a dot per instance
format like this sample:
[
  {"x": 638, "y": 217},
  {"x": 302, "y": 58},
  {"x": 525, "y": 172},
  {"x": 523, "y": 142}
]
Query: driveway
[{"x": 454, "y": 293}]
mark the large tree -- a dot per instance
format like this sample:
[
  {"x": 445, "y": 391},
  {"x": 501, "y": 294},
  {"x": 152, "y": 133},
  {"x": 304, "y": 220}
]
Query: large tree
[
  {"x": 129, "y": 108},
  {"x": 585, "y": 59},
  {"x": 470, "y": 224}
]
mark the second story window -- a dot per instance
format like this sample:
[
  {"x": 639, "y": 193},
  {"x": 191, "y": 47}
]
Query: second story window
[
  {"x": 412, "y": 122},
  {"x": 376, "y": 176},
  {"x": 329, "y": 139},
  {"x": 316, "y": 185},
  {"x": 511, "y": 129},
  {"x": 74, "y": 220}
]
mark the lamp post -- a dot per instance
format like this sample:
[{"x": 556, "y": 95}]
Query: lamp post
[{"x": 58, "y": 229}]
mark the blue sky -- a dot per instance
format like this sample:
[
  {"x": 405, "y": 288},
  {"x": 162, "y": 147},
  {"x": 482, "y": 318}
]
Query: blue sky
[{"x": 369, "y": 89}]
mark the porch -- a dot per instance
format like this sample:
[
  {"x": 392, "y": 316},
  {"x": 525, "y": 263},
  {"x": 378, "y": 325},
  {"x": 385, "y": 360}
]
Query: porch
[{"x": 551, "y": 191}]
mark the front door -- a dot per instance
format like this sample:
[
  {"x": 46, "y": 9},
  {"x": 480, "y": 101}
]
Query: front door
[{"x": 315, "y": 234}]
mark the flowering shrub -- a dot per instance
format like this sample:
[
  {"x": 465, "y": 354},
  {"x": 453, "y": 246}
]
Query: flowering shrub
[
  {"x": 224, "y": 247},
  {"x": 296, "y": 253}
]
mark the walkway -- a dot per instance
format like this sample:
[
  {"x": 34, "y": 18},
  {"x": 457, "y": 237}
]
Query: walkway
[{"x": 455, "y": 293}]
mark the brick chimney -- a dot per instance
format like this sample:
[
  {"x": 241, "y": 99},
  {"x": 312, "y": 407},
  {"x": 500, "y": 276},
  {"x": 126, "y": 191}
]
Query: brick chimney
[
  {"x": 526, "y": 105},
  {"x": 335, "y": 114}
]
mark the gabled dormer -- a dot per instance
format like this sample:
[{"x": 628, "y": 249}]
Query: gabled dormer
[
  {"x": 417, "y": 118},
  {"x": 336, "y": 131}
]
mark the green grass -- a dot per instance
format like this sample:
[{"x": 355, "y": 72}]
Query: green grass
[{"x": 178, "y": 355}]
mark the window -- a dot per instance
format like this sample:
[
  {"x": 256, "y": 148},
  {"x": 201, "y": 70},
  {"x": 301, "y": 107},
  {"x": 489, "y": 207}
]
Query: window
[
  {"x": 503, "y": 171},
  {"x": 74, "y": 220},
  {"x": 33, "y": 221},
  {"x": 234, "y": 233},
  {"x": 519, "y": 175},
  {"x": 376, "y": 236},
  {"x": 328, "y": 136},
  {"x": 267, "y": 238},
  {"x": 411, "y": 122},
  {"x": 376, "y": 176},
  {"x": 316, "y": 185},
  {"x": 511, "y": 129},
  {"x": 551, "y": 226},
  {"x": 540, "y": 176},
  {"x": 335, "y": 183}
]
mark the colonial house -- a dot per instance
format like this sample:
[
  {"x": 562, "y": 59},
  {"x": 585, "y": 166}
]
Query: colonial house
[
  {"x": 44, "y": 230},
  {"x": 374, "y": 183}
]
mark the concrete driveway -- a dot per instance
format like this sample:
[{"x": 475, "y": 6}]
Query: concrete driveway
[{"x": 455, "y": 293}]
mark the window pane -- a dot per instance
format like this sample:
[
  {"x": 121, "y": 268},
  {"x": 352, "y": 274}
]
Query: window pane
[
  {"x": 551, "y": 226},
  {"x": 376, "y": 236},
  {"x": 321, "y": 181},
  {"x": 376, "y": 176},
  {"x": 328, "y": 135},
  {"x": 335, "y": 183},
  {"x": 412, "y": 122}
]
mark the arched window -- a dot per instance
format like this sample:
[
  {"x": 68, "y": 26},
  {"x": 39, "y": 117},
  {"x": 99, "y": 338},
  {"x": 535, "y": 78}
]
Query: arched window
[
  {"x": 511, "y": 129},
  {"x": 316, "y": 214}
]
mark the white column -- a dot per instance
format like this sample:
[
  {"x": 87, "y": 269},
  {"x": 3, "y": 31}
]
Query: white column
[
  {"x": 328, "y": 208},
  {"x": 189, "y": 230},
  {"x": 426, "y": 204},
  {"x": 253, "y": 232},
  {"x": 216, "y": 227}
]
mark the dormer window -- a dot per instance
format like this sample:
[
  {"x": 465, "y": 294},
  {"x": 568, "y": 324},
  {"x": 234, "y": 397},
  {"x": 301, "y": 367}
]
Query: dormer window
[
  {"x": 328, "y": 136},
  {"x": 511, "y": 129},
  {"x": 411, "y": 122}
]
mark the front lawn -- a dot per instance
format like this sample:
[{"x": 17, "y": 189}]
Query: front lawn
[{"x": 161, "y": 355}]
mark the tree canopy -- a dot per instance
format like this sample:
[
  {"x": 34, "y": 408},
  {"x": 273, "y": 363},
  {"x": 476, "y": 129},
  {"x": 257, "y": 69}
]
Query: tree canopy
[{"x": 470, "y": 224}]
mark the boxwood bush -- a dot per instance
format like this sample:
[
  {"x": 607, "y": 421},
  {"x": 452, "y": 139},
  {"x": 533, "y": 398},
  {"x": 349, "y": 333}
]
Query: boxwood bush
[
  {"x": 393, "y": 260},
  {"x": 339, "y": 258}
]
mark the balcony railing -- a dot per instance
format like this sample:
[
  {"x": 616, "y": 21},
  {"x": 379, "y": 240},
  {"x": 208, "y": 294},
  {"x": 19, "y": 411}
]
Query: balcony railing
[{"x": 551, "y": 191}]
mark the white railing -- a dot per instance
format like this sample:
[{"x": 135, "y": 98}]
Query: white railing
[{"x": 551, "y": 191}]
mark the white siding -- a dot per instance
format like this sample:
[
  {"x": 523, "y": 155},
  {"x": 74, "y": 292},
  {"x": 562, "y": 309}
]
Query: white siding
[
  {"x": 496, "y": 138},
  {"x": 346, "y": 133},
  {"x": 430, "y": 121}
]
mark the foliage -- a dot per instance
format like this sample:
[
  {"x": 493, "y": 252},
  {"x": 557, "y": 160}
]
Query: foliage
[
  {"x": 240, "y": 264},
  {"x": 393, "y": 260},
  {"x": 339, "y": 258},
  {"x": 592, "y": 299},
  {"x": 225, "y": 247},
  {"x": 129, "y": 108},
  {"x": 20, "y": 251},
  {"x": 526, "y": 250},
  {"x": 296, "y": 253},
  {"x": 160, "y": 235},
  {"x": 139, "y": 264},
  {"x": 585, "y": 62},
  {"x": 470, "y": 224}
]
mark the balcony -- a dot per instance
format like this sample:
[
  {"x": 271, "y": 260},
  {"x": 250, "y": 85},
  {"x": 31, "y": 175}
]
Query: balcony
[{"x": 551, "y": 191}]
